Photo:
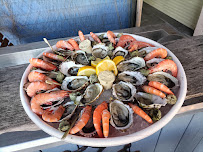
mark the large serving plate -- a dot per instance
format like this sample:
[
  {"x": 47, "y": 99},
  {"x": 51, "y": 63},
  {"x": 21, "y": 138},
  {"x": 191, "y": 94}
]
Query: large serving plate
[{"x": 136, "y": 133}]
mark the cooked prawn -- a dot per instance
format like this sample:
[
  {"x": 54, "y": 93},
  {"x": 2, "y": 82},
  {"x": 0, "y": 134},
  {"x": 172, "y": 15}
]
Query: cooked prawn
[
  {"x": 38, "y": 63},
  {"x": 74, "y": 44},
  {"x": 140, "y": 112},
  {"x": 111, "y": 36},
  {"x": 160, "y": 52},
  {"x": 37, "y": 86},
  {"x": 165, "y": 65},
  {"x": 160, "y": 86},
  {"x": 81, "y": 36},
  {"x": 64, "y": 45},
  {"x": 105, "y": 122},
  {"x": 97, "y": 116},
  {"x": 82, "y": 121},
  {"x": 154, "y": 91},
  {"x": 138, "y": 45},
  {"x": 53, "y": 115},
  {"x": 124, "y": 39},
  {"x": 54, "y": 56},
  {"x": 44, "y": 98},
  {"x": 95, "y": 37}
]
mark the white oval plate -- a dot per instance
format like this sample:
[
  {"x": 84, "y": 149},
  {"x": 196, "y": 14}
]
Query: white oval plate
[{"x": 112, "y": 141}]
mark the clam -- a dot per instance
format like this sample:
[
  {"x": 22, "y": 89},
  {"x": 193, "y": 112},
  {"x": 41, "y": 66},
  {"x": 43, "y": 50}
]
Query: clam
[
  {"x": 119, "y": 51},
  {"x": 131, "y": 65},
  {"x": 80, "y": 57},
  {"x": 153, "y": 62},
  {"x": 100, "y": 51},
  {"x": 124, "y": 91},
  {"x": 69, "y": 68},
  {"x": 74, "y": 83},
  {"x": 135, "y": 78},
  {"x": 92, "y": 92},
  {"x": 164, "y": 78},
  {"x": 147, "y": 100},
  {"x": 121, "y": 115}
]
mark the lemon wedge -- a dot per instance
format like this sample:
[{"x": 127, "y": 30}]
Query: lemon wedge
[
  {"x": 118, "y": 59},
  {"x": 86, "y": 71},
  {"x": 94, "y": 63},
  {"x": 106, "y": 65}
]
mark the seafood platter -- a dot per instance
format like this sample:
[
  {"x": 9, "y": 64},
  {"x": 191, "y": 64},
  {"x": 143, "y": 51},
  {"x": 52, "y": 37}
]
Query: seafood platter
[{"x": 103, "y": 89}]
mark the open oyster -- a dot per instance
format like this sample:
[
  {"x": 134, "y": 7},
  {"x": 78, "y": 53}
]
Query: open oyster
[
  {"x": 80, "y": 57},
  {"x": 136, "y": 78},
  {"x": 92, "y": 92},
  {"x": 69, "y": 68},
  {"x": 70, "y": 108},
  {"x": 74, "y": 83},
  {"x": 119, "y": 51},
  {"x": 131, "y": 65},
  {"x": 124, "y": 91},
  {"x": 148, "y": 49},
  {"x": 164, "y": 78},
  {"x": 121, "y": 115},
  {"x": 147, "y": 100},
  {"x": 100, "y": 51},
  {"x": 153, "y": 62}
]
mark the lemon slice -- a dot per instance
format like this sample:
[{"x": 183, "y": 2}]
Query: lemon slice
[
  {"x": 108, "y": 65},
  {"x": 86, "y": 71},
  {"x": 118, "y": 59},
  {"x": 94, "y": 63}
]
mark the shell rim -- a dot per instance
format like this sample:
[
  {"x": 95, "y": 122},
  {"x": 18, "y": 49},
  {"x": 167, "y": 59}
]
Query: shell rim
[{"x": 112, "y": 141}]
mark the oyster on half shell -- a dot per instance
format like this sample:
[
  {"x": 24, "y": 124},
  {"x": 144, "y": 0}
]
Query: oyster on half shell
[
  {"x": 80, "y": 57},
  {"x": 119, "y": 51},
  {"x": 121, "y": 115},
  {"x": 147, "y": 100},
  {"x": 74, "y": 83},
  {"x": 69, "y": 68},
  {"x": 131, "y": 65},
  {"x": 124, "y": 91},
  {"x": 100, "y": 51},
  {"x": 136, "y": 78}
]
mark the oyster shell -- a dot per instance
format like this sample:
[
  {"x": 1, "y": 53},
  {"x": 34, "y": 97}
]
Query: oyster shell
[
  {"x": 70, "y": 108},
  {"x": 164, "y": 78},
  {"x": 131, "y": 65},
  {"x": 92, "y": 92},
  {"x": 124, "y": 91},
  {"x": 153, "y": 62},
  {"x": 119, "y": 51},
  {"x": 69, "y": 68},
  {"x": 147, "y": 100},
  {"x": 74, "y": 83},
  {"x": 121, "y": 115},
  {"x": 148, "y": 49},
  {"x": 100, "y": 51},
  {"x": 136, "y": 78},
  {"x": 80, "y": 57}
]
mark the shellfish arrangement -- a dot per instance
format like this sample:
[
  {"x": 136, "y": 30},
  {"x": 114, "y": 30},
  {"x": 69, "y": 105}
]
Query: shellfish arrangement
[{"x": 92, "y": 85}]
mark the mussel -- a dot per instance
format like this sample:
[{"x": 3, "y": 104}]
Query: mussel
[
  {"x": 131, "y": 65},
  {"x": 124, "y": 91},
  {"x": 121, "y": 115},
  {"x": 75, "y": 83}
]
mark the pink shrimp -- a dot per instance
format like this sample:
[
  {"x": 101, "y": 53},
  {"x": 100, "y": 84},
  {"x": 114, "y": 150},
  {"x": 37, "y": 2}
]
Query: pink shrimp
[
  {"x": 154, "y": 91},
  {"x": 74, "y": 44},
  {"x": 160, "y": 86},
  {"x": 81, "y": 36},
  {"x": 54, "y": 56},
  {"x": 138, "y": 45},
  {"x": 53, "y": 115},
  {"x": 124, "y": 39},
  {"x": 165, "y": 65},
  {"x": 64, "y": 45},
  {"x": 82, "y": 121},
  {"x": 37, "y": 86},
  {"x": 97, "y": 116},
  {"x": 44, "y": 98},
  {"x": 95, "y": 37},
  {"x": 105, "y": 122},
  {"x": 111, "y": 36},
  {"x": 160, "y": 52},
  {"x": 38, "y": 63}
]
